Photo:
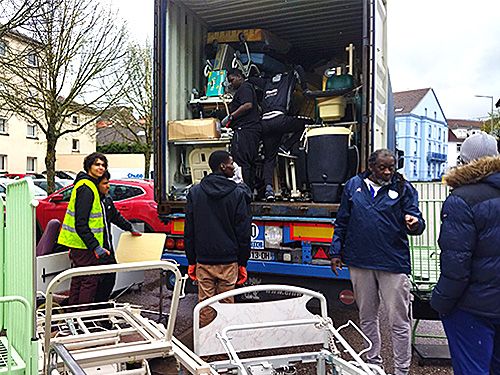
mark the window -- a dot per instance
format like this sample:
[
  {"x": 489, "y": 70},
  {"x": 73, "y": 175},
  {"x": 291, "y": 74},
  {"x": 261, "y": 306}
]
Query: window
[
  {"x": 3, "y": 125},
  {"x": 416, "y": 128},
  {"x": 32, "y": 93},
  {"x": 415, "y": 168},
  {"x": 121, "y": 192},
  {"x": 31, "y": 131},
  {"x": 75, "y": 145},
  {"x": 32, "y": 59},
  {"x": 30, "y": 164},
  {"x": 416, "y": 148},
  {"x": 66, "y": 194},
  {"x": 74, "y": 119},
  {"x": 3, "y": 48},
  {"x": 459, "y": 147},
  {"x": 3, "y": 163},
  {"x": 435, "y": 115},
  {"x": 430, "y": 131}
]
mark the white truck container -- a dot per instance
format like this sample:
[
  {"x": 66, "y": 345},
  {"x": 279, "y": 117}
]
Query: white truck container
[{"x": 290, "y": 237}]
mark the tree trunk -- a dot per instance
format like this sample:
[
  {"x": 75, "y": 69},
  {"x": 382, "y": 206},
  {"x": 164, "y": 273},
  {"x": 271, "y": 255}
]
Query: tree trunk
[
  {"x": 50, "y": 162},
  {"x": 147, "y": 163}
]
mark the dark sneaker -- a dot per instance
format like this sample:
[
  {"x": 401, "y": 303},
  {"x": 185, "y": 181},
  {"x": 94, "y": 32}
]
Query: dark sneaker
[{"x": 270, "y": 197}]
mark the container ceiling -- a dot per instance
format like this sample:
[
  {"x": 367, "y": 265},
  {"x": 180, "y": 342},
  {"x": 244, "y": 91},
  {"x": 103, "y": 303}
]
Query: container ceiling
[{"x": 315, "y": 28}]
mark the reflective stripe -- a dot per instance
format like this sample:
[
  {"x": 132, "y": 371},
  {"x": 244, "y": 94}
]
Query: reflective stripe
[
  {"x": 68, "y": 228},
  {"x": 97, "y": 230},
  {"x": 97, "y": 214},
  {"x": 70, "y": 213}
]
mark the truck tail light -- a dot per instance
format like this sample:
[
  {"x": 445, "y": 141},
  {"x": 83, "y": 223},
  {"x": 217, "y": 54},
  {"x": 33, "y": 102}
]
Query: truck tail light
[
  {"x": 170, "y": 244},
  {"x": 180, "y": 244}
]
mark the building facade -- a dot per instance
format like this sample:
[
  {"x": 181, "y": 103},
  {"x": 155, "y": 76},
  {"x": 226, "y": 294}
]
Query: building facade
[
  {"x": 422, "y": 133},
  {"x": 459, "y": 130},
  {"x": 23, "y": 146}
]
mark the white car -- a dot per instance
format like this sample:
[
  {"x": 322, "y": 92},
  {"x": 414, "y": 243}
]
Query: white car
[{"x": 39, "y": 192}]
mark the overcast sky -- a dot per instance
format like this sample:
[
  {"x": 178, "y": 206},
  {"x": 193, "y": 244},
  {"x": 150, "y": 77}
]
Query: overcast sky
[{"x": 452, "y": 46}]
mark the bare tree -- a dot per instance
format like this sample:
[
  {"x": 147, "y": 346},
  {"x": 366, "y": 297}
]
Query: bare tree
[
  {"x": 138, "y": 96},
  {"x": 67, "y": 68},
  {"x": 14, "y": 13}
]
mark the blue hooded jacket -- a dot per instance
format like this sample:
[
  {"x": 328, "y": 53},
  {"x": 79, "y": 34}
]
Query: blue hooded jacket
[
  {"x": 470, "y": 241},
  {"x": 371, "y": 232}
]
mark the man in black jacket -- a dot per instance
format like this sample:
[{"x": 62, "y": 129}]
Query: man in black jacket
[
  {"x": 244, "y": 119},
  {"x": 277, "y": 119},
  {"x": 217, "y": 232},
  {"x": 111, "y": 216}
]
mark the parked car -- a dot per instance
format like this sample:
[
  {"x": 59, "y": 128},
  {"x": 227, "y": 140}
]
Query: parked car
[
  {"x": 39, "y": 192},
  {"x": 133, "y": 198},
  {"x": 17, "y": 176},
  {"x": 63, "y": 175},
  {"x": 60, "y": 183}
]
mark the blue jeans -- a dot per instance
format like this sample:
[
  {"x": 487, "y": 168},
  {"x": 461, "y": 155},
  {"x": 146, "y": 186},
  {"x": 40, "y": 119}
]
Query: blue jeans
[{"x": 474, "y": 343}]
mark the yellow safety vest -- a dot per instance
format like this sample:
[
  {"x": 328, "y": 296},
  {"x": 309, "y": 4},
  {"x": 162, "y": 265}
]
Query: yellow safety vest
[{"x": 68, "y": 235}]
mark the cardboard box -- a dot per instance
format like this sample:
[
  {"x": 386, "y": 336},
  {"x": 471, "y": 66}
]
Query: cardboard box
[{"x": 194, "y": 129}]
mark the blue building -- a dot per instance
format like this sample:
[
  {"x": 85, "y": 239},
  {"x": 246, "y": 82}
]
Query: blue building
[{"x": 422, "y": 133}]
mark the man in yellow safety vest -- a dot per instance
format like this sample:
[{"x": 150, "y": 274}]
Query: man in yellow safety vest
[{"x": 82, "y": 230}]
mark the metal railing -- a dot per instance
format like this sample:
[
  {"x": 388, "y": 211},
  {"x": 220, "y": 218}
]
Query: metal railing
[
  {"x": 424, "y": 249},
  {"x": 60, "y": 351}
]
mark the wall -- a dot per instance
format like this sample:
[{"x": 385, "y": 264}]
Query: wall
[
  {"x": 18, "y": 146},
  {"x": 119, "y": 165},
  {"x": 423, "y": 135}
]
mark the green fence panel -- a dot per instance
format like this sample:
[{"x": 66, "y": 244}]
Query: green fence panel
[
  {"x": 424, "y": 249},
  {"x": 19, "y": 269},
  {"x": 2, "y": 250}
]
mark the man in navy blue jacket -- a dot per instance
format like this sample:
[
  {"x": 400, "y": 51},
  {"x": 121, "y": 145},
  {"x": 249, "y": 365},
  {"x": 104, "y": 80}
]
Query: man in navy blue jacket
[
  {"x": 377, "y": 211},
  {"x": 467, "y": 294},
  {"x": 217, "y": 232}
]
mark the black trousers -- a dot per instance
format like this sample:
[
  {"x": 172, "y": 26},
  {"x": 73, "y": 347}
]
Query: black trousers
[
  {"x": 106, "y": 280},
  {"x": 273, "y": 131},
  {"x": 244, "y": 148}
]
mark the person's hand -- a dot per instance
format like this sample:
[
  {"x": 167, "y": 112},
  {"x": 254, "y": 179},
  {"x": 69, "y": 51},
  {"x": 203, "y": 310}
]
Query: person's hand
[
  {"x": 100, "y": 252},
  {"x": 242, "y": 275},
  {"x": 227, "y": 120},
  {"x": 192, "y": 272},
  {"x": 135, "y": 232},
  {"x": 411, "y": 222},
  {"x": 306, "y": 92},
  {"x": 336, "y": 263}
]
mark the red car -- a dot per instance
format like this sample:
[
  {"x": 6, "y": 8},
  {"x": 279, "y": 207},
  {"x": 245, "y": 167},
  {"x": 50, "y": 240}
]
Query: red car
[{"x": 133, "y": 198}]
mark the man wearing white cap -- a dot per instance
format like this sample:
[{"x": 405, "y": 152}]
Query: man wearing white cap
[{"x": 467, "y": 295}]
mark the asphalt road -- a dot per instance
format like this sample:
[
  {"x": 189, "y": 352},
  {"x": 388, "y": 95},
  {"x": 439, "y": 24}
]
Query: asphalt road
[{"x": 148, "y": 298}]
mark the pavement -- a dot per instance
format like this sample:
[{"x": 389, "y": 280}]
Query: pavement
[{"x": 148, "y": 298}]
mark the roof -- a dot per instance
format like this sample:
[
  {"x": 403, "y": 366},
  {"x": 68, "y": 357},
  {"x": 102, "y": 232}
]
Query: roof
[
  {"x": 467, "y": 124},
  {"x": 406, "y": 101},
  {"x": 452, "y": 137}
]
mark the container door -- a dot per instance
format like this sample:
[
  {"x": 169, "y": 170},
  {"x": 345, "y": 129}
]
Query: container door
[{"x": 379, "y": 74}]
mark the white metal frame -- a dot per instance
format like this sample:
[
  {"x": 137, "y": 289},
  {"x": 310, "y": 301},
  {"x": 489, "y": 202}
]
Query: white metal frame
[
  {"x": 268, "y": 364},
  {"x": 95, "y": 347}
]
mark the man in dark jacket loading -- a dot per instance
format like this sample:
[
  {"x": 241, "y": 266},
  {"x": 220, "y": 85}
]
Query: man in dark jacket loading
[
  {"x": 82, "y": 230},
  {"x": 467, "y": 294},
  {"x": 244, "y": 119},
  {"x": 111, "y": 216},
  {"x": 217, "y": 232},
  {"x": 377, "y": 211},
  {"x": 276, "y": 119}
]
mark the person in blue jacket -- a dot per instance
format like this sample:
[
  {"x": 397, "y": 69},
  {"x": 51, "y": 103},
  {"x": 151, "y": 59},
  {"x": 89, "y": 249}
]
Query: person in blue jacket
[
  {"x": 379, "y": 208},
  {"x": 467, "y": 295}
]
